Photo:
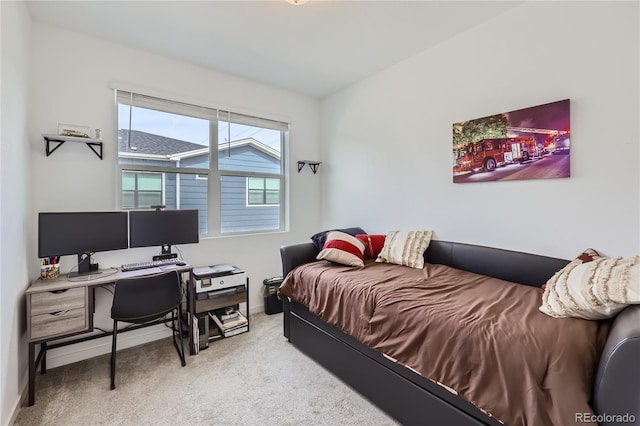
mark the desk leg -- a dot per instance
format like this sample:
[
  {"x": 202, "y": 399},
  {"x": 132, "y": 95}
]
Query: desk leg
[
  {"x": 191, "y": 308},
  {"x": 192, "y": 350},
  {"x": 248, "y": 317},
  {"x": 43, "y": 365},
  {"x": 32, "y": 374}
]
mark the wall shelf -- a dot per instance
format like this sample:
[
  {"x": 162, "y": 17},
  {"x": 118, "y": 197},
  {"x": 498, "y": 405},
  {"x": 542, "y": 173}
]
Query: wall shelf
[
  {"x": 313, "y": 165},
  {"x": 94, "y": 144}
]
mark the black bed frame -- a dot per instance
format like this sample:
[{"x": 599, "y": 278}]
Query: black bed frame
[{"x": 412, "y": 399}]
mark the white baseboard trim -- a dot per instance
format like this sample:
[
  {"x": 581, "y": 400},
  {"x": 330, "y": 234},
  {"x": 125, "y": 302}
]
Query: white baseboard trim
[
  {"x": 20, "y": 401},
  {"x": 78, "y": 352},
  {"x": 256, "y": 310},
  {"x": 66, "y": 355}
]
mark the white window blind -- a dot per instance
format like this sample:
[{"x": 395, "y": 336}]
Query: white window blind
[{"x": 175, "y": 107}]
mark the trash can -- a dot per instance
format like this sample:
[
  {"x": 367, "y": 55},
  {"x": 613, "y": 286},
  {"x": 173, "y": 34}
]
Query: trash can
[{"x": 272, "y": 305}]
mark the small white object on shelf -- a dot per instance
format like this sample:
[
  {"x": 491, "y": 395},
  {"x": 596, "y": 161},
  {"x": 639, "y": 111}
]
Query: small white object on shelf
[{"x": 73, "y": 130}]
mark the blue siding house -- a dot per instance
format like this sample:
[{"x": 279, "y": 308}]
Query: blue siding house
[{"x": 246, "y": 203}]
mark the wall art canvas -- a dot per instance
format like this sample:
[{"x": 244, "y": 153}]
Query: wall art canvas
[{"x": 529, "y": 143}]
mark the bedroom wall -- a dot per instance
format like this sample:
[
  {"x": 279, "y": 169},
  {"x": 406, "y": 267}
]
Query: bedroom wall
[
  {"x": 14, "y": 202},
  {"x": 386, "y": 141},
  {"x": 73, "y": 178}
]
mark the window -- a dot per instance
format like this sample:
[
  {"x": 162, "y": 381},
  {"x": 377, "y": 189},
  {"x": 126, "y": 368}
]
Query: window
[
  {"x": 229, "y": 166},
  {"x": 141, "y": 190},
  {"x": 263, "y": 191}
]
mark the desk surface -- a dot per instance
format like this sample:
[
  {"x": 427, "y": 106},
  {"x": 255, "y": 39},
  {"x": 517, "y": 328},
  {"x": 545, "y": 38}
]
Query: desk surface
[{"x": 108, "y": 276}]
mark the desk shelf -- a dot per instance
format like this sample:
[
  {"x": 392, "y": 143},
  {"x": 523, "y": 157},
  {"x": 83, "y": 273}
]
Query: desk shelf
[
  {"x": 50, "y": 139},
  {"x": 204, "y": 306},
  {"x": 199, "y": 309}
]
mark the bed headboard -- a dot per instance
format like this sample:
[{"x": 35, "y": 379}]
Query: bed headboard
[
  {"x": 518, "y": 267},
  {"x": 514, "y": 266}
]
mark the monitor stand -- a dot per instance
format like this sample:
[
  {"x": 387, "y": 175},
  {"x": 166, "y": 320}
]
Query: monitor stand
[
  {"x": 166, "y": 253},
  {"x": 85, "y": 267}
]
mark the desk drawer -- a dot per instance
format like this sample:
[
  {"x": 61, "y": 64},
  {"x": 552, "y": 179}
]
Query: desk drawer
[
  {"x": 59, "y": 323},
  {"x": 48, "y": 302}
]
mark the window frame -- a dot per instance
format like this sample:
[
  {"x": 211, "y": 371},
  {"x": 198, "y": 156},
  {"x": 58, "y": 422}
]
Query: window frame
[{"x": 213, "y": 175}]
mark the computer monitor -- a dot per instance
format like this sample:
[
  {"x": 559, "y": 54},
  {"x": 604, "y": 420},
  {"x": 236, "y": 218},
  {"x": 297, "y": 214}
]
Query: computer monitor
[
  {"x": 163, "y": 228},
  {"x": 82, "y": 234}
]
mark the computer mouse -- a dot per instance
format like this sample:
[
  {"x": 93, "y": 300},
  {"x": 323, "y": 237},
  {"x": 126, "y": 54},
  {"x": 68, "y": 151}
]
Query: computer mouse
[{"x": 180, "y": 263}]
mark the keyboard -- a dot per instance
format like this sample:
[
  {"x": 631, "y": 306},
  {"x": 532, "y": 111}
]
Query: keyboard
[{"x": 152, "y": 264}]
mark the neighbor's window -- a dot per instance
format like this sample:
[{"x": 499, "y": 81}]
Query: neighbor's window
[
  {"x": 228, "y": 166},
  {"x": 262, "y": 191},
  {"x": 141, "y": 190}
]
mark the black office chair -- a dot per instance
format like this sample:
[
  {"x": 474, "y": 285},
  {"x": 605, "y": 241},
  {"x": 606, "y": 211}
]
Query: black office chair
[{"x": 143, "y": 299}]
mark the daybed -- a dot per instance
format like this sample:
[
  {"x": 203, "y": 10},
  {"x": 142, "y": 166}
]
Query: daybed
[{"x": 411, "y": 398}]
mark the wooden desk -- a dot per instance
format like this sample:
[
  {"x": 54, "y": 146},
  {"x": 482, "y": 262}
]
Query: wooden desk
[{"x": 64, "y": 307}]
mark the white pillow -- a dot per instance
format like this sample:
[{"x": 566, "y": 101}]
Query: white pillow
[
  {"x": 405, "y": 248},
  {"x": 593, "y": 290},
  {"x": 342, "y": 248}
]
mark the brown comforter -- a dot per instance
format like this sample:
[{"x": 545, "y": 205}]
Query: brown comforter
[{"x": 482, "y": 337}]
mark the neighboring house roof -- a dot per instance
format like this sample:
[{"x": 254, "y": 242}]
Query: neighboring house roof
[
  {"x": 250, "y": 142},
  {"x": 148, "y": 143},
  {"x": 154, "y": 146}
]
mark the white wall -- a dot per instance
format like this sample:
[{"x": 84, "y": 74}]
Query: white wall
[
  {"x": 386, "y": 141},
  {"x": 73, "y": 178},
  {"x": 14, "y": 214}
]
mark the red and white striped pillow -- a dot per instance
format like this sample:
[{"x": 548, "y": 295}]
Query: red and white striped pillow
[{"x": 342, "y": 248}]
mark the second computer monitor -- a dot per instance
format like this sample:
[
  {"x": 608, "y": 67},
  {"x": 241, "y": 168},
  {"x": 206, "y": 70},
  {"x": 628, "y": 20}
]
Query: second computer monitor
[{"x": 163, "y": 228}]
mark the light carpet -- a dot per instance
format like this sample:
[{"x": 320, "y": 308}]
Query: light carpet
[{"x": 254, "y": 378}]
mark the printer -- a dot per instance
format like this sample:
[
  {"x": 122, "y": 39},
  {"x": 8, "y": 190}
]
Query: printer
[{"x": 218, "y": 277}]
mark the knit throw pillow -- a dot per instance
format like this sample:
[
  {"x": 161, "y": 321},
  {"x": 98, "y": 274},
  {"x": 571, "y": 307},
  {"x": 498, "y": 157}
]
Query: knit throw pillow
[
  {"x": 405, "y": 248},
  {"x": 592, "y": 287}
]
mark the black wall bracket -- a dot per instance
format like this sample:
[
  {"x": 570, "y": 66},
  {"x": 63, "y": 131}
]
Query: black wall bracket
[
  {"x": 313, "y": 165},
  {"x": 94, "y": 144}
]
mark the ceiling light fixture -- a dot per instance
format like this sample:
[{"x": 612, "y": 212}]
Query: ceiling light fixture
[{"x": 297, "y": 2}]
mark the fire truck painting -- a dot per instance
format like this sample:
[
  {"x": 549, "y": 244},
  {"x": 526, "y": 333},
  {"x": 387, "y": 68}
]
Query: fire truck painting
[
  {"x": 531, "y": 143},
  {"x": 491, "y": 153}
]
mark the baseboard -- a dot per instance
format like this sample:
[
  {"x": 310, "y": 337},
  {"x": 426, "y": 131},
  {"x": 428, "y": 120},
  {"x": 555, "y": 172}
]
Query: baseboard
[
  {"x": 81, "y": 351},
  {"x": 256, "y": 310},
  {"x": 20, "y": 401},
  {"x": 93, "y": 348}
]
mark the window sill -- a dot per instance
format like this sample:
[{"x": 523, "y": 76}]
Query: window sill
[{"x": 242, "y": 234}]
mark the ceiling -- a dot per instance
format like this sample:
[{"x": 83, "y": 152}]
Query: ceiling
[{"x": 315, "y": 49}]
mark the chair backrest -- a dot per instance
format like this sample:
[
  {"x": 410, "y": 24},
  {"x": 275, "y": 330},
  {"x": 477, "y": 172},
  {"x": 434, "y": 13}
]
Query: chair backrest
[{"x": 146, "y": 298}]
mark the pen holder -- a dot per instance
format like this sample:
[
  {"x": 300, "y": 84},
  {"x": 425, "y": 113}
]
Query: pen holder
[{"x": 49, "y": 272}]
